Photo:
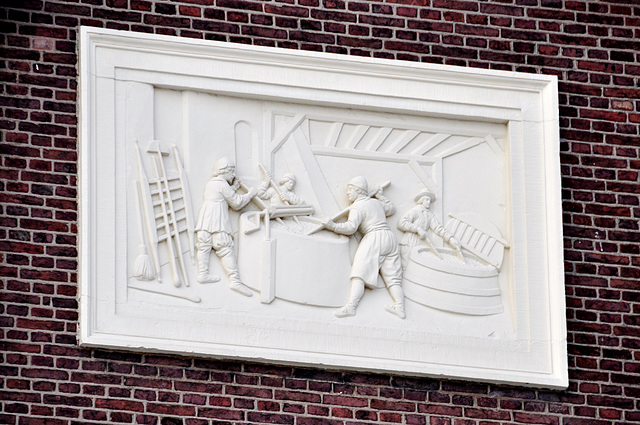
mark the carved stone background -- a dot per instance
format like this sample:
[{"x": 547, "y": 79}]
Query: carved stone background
[{"x": 483, "y": 143}]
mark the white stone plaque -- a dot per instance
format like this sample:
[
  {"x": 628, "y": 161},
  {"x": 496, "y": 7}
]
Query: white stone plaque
[{"x": 313, "y": 209}]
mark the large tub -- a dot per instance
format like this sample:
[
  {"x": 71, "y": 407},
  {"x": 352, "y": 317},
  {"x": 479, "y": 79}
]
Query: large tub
[
  {"x": 446, "y": 283},
  {"x": 450, "y": 285}
]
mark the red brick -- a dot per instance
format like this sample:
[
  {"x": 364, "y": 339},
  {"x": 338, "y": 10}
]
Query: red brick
[
  {"x": 270, "y": 418},
  {"x": 234, "y": 415},
  {"x": 393, "y": 405},
  {"x": 344, "y": 401},
  {"x": 333, "y": 15},
  {"x": 169, "y": 409},
  {"x": 297, "y": 396},
  {"x": 591, "y": 49}
]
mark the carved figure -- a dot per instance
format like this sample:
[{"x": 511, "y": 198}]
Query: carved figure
[
  {"x": 438, "y": 278},
  {"x": 213, "y": 228},
  {"x": 284, "y": 195},
  {"x": 417, "y": 222},
  {"x": 377, "y": 252}
]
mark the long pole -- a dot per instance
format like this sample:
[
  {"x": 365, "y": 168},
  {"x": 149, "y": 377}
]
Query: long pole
[
  {"x": 277, "y": 189},
  {"x": 167, "y": 229},
  {"x": 173, "y": 224},
  {"x": 346, "y": 210}
]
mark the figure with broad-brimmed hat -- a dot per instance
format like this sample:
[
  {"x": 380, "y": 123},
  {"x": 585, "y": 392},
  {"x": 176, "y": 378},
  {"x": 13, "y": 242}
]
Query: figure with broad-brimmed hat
[{"x": 417, "y": 222}]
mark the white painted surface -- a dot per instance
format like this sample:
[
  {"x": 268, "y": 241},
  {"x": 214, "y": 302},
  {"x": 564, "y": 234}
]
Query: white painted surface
[{"x": 484, "y": 142}]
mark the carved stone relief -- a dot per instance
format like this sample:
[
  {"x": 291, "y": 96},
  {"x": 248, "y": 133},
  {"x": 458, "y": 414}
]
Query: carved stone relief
[
  {"x": 282, "y": 218},
  {"x": 277, "y": 232}
]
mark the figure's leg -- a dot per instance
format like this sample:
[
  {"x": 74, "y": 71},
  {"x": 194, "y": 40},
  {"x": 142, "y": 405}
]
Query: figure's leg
[
  {"x": 357, "y": 291},
  {"x": 392, "y": 275},
  {"x": 203, "y": 251},
  {"x": 397, "y": 295},
  {"x": 224, "y": 251}
]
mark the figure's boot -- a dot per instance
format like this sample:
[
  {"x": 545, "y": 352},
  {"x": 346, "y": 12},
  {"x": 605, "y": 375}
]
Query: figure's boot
[
  {"x": 357, "y": 291},
  {"x": 202, "y": 257},
  {"x": 396, "y": 310},
  {"x": 228, "y": 260},
  {"x": 397, "y": 294},
  {"x": 345, "y": 311}
]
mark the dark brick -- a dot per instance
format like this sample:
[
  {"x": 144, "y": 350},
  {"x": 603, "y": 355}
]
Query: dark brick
[
  {"x": 591, "y": 46},
  {"x": 223, "y": 414},
  {"x": 329, "y": 15}
]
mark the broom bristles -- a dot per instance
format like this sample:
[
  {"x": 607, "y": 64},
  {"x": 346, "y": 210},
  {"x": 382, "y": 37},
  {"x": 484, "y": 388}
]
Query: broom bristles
[{"x": 143, "y": 267}]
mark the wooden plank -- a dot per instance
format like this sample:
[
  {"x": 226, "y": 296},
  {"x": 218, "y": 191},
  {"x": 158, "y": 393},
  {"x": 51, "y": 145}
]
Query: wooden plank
[{"x": 430, "y": 143}]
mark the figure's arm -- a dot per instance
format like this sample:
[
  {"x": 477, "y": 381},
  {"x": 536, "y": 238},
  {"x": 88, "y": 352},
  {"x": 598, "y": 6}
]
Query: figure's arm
[
  {"x": 347, "y": 228},
  {"x": 293, "y": 199},
  {"x": 263, "y": 191},
  {"x": 235, "y": 200},
  {"x": 406, "y": 223},
  {"x": 389, "y": 208},
  {"x": 440, "y": 230}
]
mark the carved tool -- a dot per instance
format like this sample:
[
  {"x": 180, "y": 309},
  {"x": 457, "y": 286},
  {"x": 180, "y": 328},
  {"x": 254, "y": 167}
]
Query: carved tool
[
  {"x": 277, "y": 189},
  {"x": 346, "y": 210},
  {"x": 431, "y": 247},
  {"x": 294, "y": 211},
  {"x": 257, "y": 201},
  {"x": 460, "y": 256},
  {"x": 479, "y": 236},
  {"x": 177, "y": 294},
  {"x": 186, "y": 199},
  {"x": 177, "y": 281},
  {"x": 143, "y": 267},
  {"x": 173, "y": 224},
  {"x": 268, "y": 264},
  {"x": 150, "y": 225},
  {"x": 169, "y": 213}
]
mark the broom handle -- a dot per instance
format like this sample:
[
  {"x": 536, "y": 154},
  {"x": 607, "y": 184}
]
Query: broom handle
[
  {"x": 143, "y": 242},
  {"x": 138, "y": 213}
]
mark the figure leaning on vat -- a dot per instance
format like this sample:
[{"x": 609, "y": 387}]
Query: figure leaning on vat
[
  {"x": 377, "y": 252},
  {"x": 213, "y": 228},
  {"x": 282, "y": 195},
  {"x": 416, "y": 224}
]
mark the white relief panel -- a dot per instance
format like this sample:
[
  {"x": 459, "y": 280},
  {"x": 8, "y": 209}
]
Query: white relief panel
[{"x": 313, "y": 209}]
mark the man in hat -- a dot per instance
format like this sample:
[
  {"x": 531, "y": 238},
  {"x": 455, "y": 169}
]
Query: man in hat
[
  {"x": 377, "y": 252},
  {"x": 286, "y": 195},
  {"x": 213, "y": 228},
  {"x": 417, "y": 222}
]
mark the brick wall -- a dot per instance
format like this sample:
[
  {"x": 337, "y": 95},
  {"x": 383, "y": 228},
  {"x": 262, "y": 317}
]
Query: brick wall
[{"x": 592, "y": 46}]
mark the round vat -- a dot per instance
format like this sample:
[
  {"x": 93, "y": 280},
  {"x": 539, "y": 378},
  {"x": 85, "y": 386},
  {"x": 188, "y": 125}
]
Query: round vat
[{"x": 447, "y": 283}]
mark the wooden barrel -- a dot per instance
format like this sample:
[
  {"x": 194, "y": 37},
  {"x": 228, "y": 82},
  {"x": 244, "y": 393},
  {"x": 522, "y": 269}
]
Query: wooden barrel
[{"x": 450, "y": 285}]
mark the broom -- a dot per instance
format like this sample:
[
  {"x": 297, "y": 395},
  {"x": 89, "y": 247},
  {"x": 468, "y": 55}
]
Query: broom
[{"x": 143, "y": 267}]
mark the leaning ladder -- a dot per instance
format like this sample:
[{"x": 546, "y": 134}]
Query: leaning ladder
[{"x": 169, "y": 215}]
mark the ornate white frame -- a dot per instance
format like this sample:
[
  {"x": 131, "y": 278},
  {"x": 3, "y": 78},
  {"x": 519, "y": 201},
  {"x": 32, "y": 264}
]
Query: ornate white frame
[{"x": 527, "y": 104}]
